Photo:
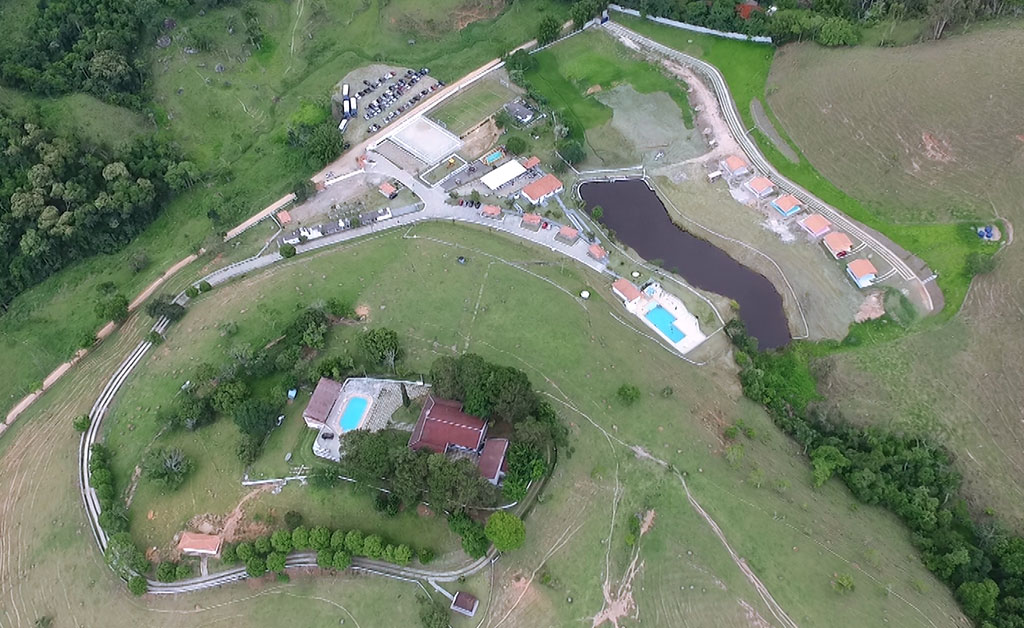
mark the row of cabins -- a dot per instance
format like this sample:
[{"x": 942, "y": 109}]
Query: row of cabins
[
  {"x": 565, "y": 234},
  {"x": 838, "y": 244}
]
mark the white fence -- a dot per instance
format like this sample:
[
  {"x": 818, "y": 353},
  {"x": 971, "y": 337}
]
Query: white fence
[{"x": 692, "y": 27}]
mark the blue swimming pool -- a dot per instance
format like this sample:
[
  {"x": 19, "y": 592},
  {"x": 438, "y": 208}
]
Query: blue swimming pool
[
  {"x": 493, "y": 157},
  {"x": 352, "y": 416},
  {"x": 662, "y": 319}
]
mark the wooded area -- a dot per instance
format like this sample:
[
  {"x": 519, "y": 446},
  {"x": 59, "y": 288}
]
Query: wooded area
[{"x": 63, "y": 199}]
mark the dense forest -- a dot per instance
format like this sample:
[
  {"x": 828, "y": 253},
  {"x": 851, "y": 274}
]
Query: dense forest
[
  {"x": 981, "y": 562},
  {"x": 63, "y": 199}
]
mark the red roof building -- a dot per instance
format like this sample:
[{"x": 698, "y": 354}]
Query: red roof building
[
  {"x": 195, "y": 544},
  {"x": 531, "y": 222},
  {"x": 735, "y": 166},
  {"x": 746, "y": 8},
  {"x": 597, "y": 252},
  {"x": 542, "y": 188},
  {"x": 443, "y": 425},
  {"x": 464, "y": 603},
  {"x": 490, "y": 211},
  {"x": 492, "y": 459},
  {"x": 816, "y": 225},
  {"x": 567, "y": 234},
  {"x": 283, "y": 218},
  {"x": 388, "y": 190},
  {"x": 531, "y": 162},
  {"x": 838, "y": 244},
  {"x": 626, "y": 290}
]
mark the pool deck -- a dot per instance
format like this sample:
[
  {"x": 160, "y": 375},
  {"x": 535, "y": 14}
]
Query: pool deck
[
  {"x": 654, "y": 295},
  {"x": 383, "y": 397}
]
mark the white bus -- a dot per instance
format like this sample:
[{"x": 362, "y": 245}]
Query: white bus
[
  {"x": 347, "y": 109},
  {"x": 344, "y": 90},
  {"x": 344, "y": 123}
]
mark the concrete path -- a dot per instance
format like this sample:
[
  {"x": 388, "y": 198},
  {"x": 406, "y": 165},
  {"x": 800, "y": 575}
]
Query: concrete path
[{"x": 905, "y": 264}]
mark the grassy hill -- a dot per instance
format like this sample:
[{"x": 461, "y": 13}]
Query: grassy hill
[
  {"x": 231, "y": 121},
  {"x": 929, "y": 134}
]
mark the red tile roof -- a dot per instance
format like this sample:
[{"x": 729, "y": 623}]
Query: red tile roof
[
  {"x": 734, "y": 163},
  {"x": 542, "y": 187},
  {"x": 816, "y": 224},
  {"x": 786, "y": 202},
  {"x": 531, "y": 162},
  {"x": 837, "y": 242},
  {"x": 597, "y": 252},
  {"x": 387, "y": 189},
  {"x": 195, "y": 543},
  {"x": 491, "y": 210},
  {"x": 284, "y": 217},
  {"x": 443, "y": 424},
  {"x": 492, "y": 457},
  {"x": 568, "y": 232},
  {"x": 746, "y": 9},
  {"x": 627, "y": 289},
  {"x": 323, "y": 399},
  {"x": 760, "y": 184},
  {"x": 862, "y": 268},
  {"x": 531, "y": 219}
]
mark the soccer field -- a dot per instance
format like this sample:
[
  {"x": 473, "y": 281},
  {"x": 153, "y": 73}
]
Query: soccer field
[{"x": 477, "y": 102}]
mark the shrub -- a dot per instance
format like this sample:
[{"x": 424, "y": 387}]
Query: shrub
[
  {"x": 433, "y": 613},
  {"x": 169, "y": 467},
  {"x": 354, "y": 542},
  {"x": 82, "y": 423},
  {"x": 255, "y": 567},
  {"x": 506, "y": 531},
  {"x": 515, "y": 145},
  {"x": 281, "y": 540},
  {"x": 262, "y": 546},
  {"x": 373, "y": 546},
  {"x": 275, "y": 561},
  {"x": 183, "y": 571},
  {"x": 191, "y": 292},
  {"x": 338, "y": 540},
  {"x": 320, "y": 538},
  {"x": 325, "y": 559},
  {"x": 137, "y": 585},
  {"x": 341, "y": 560},
  {"x": 204, "y": 286},
  {"x": 244, "y": 551},
  {"x": 571, "y": 151},
  {"x": 154, "y": 337},
  {"x": 402, "y": 555},
  {"x": 228, "y": 554},
  {"x": 300, "y": 538},
  {"x": 287, "y": 250},
  {"x": 165, "y": 572},
  {"x": 425, "y": 555},
  {"x": 979, "y": 264},
  {"x": 628, "y": 394}
]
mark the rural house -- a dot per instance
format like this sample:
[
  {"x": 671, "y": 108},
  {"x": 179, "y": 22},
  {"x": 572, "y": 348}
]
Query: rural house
[
  {"x": 531, "y": 222},
  {"x": 838, "y": 244},
  {"x": 325, "y": 395},
  {"x": 626, "y": 290},
  {"x": 597, "y": 252},
  {"x": 787, "y": 205},
  {"x": 567, "y": 235},
  {"x": 195, "y": 544},
  {"x": 734, "y": 167},
  {"x": 444, "y": 428},
  {"x": 760, "y": 187},
  {"x": 542, "y": 189},
  {"x": 816, "y": 225},
  {"x": 862, "y": 272}
]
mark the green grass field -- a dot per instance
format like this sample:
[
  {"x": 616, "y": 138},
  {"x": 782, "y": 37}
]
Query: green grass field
[
  {"x": 572, "y": 76},
  {"x": 746, "y": 69},
  {"x": 478, "y": 102},
  {"x": 795, "y": 537},
  {"x": 231, "y": 124}
]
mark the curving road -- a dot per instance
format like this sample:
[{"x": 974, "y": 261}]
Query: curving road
[{"x": 895, "y": 256}]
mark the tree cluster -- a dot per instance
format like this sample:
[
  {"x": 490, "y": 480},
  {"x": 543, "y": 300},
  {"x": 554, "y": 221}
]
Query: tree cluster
[
  {"x": 383, "y": 459},
  {"x": 334, "y": 549},
  {"x": 168, "y": 467},
  {"x": 81, "y": 45},
  {"x": 313, "y": 135},
  {"x": 63, "y": 199},
  {"x": 495, "y": 392},
  {"x": 911, "y": 477},
  {"x": 525, "y": 464}
]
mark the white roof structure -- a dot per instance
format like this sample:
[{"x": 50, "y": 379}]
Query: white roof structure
[{"x": 502, "y": 175}]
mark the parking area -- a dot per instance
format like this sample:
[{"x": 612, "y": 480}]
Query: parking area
[{"x": 378, "y": 95}]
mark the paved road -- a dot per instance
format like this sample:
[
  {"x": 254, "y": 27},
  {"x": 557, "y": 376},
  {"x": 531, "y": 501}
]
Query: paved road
[{"x": 901, "y": 261}]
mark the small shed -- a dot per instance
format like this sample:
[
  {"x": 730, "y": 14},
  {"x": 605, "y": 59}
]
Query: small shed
[
  {"x": 531, "y": 162},
  {"x": 388, "y": 190},
  {"x": 567, "y": 235},
  {"x": 283, "y": 218},
  {"x": 735, "y": 166},
  {"x": 761, "y": 187},
  {"x": 787, "y": 205},
  {"x": 491, "y": 211},
  {"x": 465, "y": 604}
]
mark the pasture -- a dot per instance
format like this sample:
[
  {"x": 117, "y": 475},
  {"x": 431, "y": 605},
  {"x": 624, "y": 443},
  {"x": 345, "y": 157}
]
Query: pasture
[
  {"x": 580, "y": 360},
  {"x": 479, "y": 101},
  {"x": 232, "y": 124},
  {"x": 573, "y": 77}
]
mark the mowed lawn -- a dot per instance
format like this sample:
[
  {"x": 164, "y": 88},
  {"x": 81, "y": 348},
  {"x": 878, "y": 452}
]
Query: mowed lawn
[
  {"x": 579, "y": 354},
  {"x": 232, "y": 124},
  {"x": 474, "y": 104}
]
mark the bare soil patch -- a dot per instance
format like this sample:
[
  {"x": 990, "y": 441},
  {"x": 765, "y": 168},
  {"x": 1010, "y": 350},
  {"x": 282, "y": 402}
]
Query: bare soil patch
[
  {"x": 480, "y": 138},
  {"x": 935, "y": 148},
  {"x": 593, "y": 89},
  {"x": 873, "y": 307},
  {"x": 619, "y": 604}
]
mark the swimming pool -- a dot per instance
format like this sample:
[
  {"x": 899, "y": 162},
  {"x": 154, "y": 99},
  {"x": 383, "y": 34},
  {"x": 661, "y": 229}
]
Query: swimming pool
[
  {"x": 663, "y": 320},
  {"x": 493, "y": 157},
  {"x": 352, "y": 416}
]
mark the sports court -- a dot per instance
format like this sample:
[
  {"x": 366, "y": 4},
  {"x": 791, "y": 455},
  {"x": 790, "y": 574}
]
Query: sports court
[{"x": 426, "y": 141}]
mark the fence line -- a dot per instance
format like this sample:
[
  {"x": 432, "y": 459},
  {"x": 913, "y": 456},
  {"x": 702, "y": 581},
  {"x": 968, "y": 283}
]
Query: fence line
[{"x": 693, "y": 27}]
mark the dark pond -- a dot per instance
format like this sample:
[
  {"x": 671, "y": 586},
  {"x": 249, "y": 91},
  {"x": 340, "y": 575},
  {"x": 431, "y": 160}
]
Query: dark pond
[{"x": 639, "y": 219}]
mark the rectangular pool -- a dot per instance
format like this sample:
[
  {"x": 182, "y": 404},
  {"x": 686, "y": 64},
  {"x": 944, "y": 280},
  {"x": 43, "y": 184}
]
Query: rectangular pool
[
  {"x": 493, "y": 157},
  {"x": 352, "y": 416},
  {"x": 663, "y": 320}
]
